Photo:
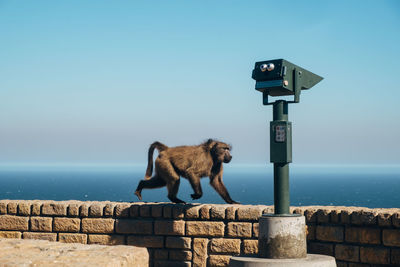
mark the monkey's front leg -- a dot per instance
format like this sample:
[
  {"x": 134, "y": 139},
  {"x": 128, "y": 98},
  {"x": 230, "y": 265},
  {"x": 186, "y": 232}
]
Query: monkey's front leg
[
  {"x": 195, "y": 183},
  {"x": 219, "y": 186}
]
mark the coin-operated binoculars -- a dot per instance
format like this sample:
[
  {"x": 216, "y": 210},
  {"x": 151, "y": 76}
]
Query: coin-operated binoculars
[
  {"x": 282, "y": 236},
  {"x": 281, "y": 78}
]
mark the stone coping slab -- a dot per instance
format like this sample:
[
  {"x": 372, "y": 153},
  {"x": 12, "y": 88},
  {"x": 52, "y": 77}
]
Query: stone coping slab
[
  {"x": 195, "y": 211},
  {"x": 17, "y": 252}
]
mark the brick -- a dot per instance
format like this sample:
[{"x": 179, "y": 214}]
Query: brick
[
  {"x": 96, "y": 210},
  {"x": 200, "y": 252},
  {"x": 98, "y": 225},
  {"x": 72, "y": 238},
  {"x": 41, "y": 224},
  {"x": 10, "y": 234},
  {"x": 396, "y": 219},
  {"x": 40, "y": 236},
  {"x": 345, "y": 216},
  {"x": 178, "y": 211},
  {"x": 192, "y": 212},
  {"x": 217, "y": 212},
  {"x": 205, "y": 212},
  {"x": 270, "y": 210},
  {"x": 24, "y": 208},
  {"x": 61, "y": 224},
  {"x": 134, "y": 226},
  {"x": 363, "y": 235},
  {"x": 391, "y": 237},
  {"x": 347, "y": 253},
  {"x": 239, "y": 229},
  {"x": 251, "y": 213},
  {"x": 231, "y": 212},
  {"x": 335, "y": 216},
  {"x": 323, "y": 216},
  {"x": 52, "y": 209},
  {"x": 166, "y": 263},
  {"x": 311, "y": 215},
  {"x": 145, "y": 211},
  {"x": 250, "y": 247},
  {"x": 84, "y": 210},
  {"x": 255, "y": 229},
  {"x": 311, "y": 231},
  {"x": 329, "y": 233},
  {"x": 384, "y": 219},
  {"x": 374, "y": 255},
  {"x": 224, "y": 245},
  {"x": 134, "y": 211},
  {"x": 352, "y": 264},
  {"x": 218, "y": 260},
  {"x": 9, "y": 222},
  {"x": 36, "y": 208},
  {"x": 160, "y": 254},
  {"x": 395, "y": 256},
  {"x": 320, "y": 248},
  {"x": 363, "y": 217},
  {"x": 109, "y": 210},
  {"x": 167, "y": 211},
  {"x": 194, "y": 228},
  {"x": 122, "y": 210},
  {"x": 146, "y": 241},
  {"x": 106, "y": 239},
  {"x": 169, "y": 227},
  {"x": 12, "y": 208},
  {"x": 3, "y": 207},
  {"x": 180, "y": 255},
  {"x": 156, "y": 211},
  {"x": 178, "y": 242},
  {"x": 297, "y": 210},
  {"x": 73, "y": 210}
]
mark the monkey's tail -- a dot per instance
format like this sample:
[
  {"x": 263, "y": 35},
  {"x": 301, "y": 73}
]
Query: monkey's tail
[{"x": 160, "y": 147}]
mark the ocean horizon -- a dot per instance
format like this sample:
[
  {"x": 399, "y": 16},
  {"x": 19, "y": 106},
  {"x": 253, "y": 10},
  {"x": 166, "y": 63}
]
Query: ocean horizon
[{"x": 372, "y": 186}]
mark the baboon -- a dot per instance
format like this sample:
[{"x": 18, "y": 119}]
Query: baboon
[{"x": 191, "y": 162}]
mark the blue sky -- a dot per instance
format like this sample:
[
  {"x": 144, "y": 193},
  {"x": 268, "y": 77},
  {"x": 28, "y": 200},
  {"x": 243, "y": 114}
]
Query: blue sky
[{"x": 98, "y": 81}]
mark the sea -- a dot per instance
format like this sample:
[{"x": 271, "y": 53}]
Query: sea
[{"x": 373, "y": 186}]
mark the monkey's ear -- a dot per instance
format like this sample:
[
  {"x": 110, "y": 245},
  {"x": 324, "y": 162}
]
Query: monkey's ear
[{"x": 209, "y": 143}]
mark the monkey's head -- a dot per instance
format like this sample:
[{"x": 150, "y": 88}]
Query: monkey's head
[{"x": 220, "y": 151}]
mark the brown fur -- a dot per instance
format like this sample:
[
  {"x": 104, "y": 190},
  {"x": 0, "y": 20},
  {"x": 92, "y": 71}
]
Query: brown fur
[{"x": 191, "y": 162}]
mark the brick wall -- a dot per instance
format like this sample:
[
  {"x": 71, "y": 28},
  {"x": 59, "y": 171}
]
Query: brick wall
[{"x": 203, "y": 235}]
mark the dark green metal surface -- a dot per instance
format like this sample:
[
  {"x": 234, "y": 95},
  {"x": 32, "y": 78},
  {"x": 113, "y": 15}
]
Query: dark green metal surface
[
  {"x": 280, "y": 134},
  {"x": 281, "y": 188},
  {"x": 279, "y": 77},
  {"x": 281, "y": 155},
  {"x": 285, "y": 79}
]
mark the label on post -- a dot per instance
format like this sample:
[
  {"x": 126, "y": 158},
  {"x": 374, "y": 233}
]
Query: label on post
[
  {"x": 281, "y": 142},
  {"x": 280, "y": 133}
]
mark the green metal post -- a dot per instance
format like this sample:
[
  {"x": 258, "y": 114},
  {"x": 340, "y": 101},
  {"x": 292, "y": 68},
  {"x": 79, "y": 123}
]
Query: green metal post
[{"x": 281, "y": 170}]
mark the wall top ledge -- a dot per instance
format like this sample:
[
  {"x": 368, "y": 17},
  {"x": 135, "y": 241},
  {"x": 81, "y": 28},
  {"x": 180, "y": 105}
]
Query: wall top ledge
[{"x": 196, "y": 211}]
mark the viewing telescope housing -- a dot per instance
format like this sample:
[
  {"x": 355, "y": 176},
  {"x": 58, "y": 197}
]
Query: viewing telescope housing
[{"x": 280, "y": 77}]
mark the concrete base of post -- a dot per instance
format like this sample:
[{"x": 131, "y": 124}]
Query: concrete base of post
[
  {"x": 282, "y": 243},
  {"x": 311, "y": 260},
  {"x": 282, "y": 237}
]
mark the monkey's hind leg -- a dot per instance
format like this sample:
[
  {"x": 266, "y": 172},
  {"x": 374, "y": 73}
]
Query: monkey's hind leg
[
  {"x": 153, "y": 182},
  {"x": 173, "y": 187}
]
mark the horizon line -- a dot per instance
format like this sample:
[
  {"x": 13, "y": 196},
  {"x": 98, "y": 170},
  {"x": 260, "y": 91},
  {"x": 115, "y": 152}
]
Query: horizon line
[{"x": 141, "y": 164}]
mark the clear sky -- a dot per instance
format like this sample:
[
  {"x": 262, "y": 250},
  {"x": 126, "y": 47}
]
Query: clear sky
[{"x": 98, "y": 81}]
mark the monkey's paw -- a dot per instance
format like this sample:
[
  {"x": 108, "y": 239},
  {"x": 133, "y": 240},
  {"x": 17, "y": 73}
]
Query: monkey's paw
[
  {"x": 138, "y": 194},
  {"x": 195, "y": 196}
]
